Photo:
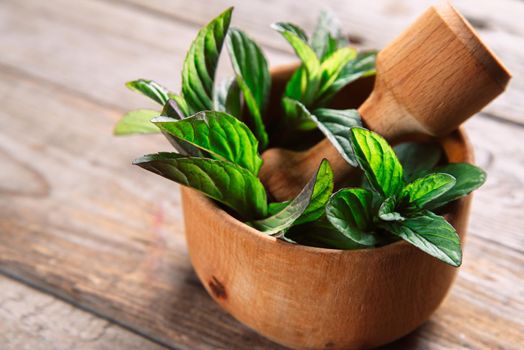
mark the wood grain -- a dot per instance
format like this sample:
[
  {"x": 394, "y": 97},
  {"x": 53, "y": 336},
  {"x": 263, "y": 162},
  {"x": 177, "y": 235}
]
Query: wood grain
[
  {"x": 31, "y": 320},
  {"x": 77, "y": 220}
]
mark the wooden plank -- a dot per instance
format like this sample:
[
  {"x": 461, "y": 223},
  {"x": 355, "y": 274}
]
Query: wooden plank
[
  {"x": 78, "y": 220},
  {"x": 32, "y": 320},
  {"x": 372, "y": 24}
]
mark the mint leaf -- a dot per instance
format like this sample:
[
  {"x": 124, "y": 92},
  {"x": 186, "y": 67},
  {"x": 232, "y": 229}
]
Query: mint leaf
[
  {"x": 174, "y": 111},
  {"x": 225, "y": 182},
  {"x": 335, "y": 125},
  {"x": 228, "y": 98},
  {"x": 380, "y": 164},
  {"x": 325, "y": 38},
  {"x": 221, "y": 135},
  {"x": 151, "y": 89},
  {"x": 201, "y": 61},
  {"x": 275, "y": 207},
  {"x": 432, "y": 234},
  {"x": 468, "y": 178},
  {"x": 297, "y": 115},
  {"x": 417, "y": 158},
  {"x": 332, "y": 66},
  {"x": 425, "y": 189},
  {"x": 252, "y": 74},
  {"x": 295, "y": 87},
  {"x": 350, "y": 210},
  {"x": 291, "y": 28},
  {"x": 308, "y": 204},
  {"x": 179, "y": 103},
  {"x": 136, "y": 122},
  {"x": 388, "y": 210}
]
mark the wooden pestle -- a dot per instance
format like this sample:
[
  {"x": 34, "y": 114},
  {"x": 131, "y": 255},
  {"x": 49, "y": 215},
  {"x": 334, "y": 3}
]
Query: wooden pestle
[{"x": 430, "y": 79}]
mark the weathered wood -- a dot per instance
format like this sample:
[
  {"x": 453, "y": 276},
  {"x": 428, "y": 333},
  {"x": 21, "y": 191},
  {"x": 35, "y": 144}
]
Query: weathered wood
[
  {"x": 372, "y": 24},
  {"x": 32, "y": 320},
  {"x": 77, "y": 220}
]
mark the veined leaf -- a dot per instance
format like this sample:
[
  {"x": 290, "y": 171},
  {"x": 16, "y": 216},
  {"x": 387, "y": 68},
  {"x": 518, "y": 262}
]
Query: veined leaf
[
  {"x": 137, "y": 122},
  {"x": 336, "y": 125},
  {"x": 302, "y": 49},
  {"x": 468, "y": 178},
  {"x": 297, "y": 114},
  {"x": 388, "y": 210},
  {"x": 311, "y": 196},
  {"x": 173, "y": 110},
  {"x": 228, "y": 183},
  {"x": 425, "y": 189},
  {"x": 275, "y": 207},
  {"x": 332, "y": 66},
  {"x": 221, "y": 135},
  {"x": 228, "y": 98},
  {"x": 150, "y": 89},
  {"x": 378, "y": 160},
  {"x": 350, "y": 210},
  {"x": 292, "y": 28},
  {"x": 181, "y": 106},
  {"x": 201, "y": 61},
  {"x": 252, "y": 74},
  {"x": 327, "y": 31},
  {"x": 432, "y": 234},
  {"x": 417, "y": 158}
]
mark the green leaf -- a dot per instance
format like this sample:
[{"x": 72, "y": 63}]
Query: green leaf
[
  {"x": 336, "y": 124},
  {"x": 324, "y": 38},
  {"x": 228, "y": 183},
  {"x": 425, "y": 189},
  {"x": 302, "y": 49},
  {"x": 417, "y": 158},
  {"x": 275, "y": 207},
  {"x": 201, "y": 61},
  {"x": 292, "y": 28},
  {"x": 137, "y": 122},
  {"x": 252, "y": 74},
  {"x": 221, "y": 135},
  {"x": 350, "y": 210},
  {"x": 388, "y": 210},
  {"x": 228, "y": 98},
  {"x": 331, "y": 68},
  {"x": 468, "y": 178},
  {"x": 432, "y": 234},
  {"x": 172, "y": 109},
  {"x": 378, "y": 160},
  {"x": 321, "y": 233},
  {"x": 296, "y": 85},
  {"x": 297, "y": 115},
  {"x": 311, "y": 197},
  {"x": 181, "y": 106},
  {"x": 150, "y": 89}
]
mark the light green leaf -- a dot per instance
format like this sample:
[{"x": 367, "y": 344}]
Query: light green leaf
[
  {"x": 297, "y": 115},
  {"x": 388, "y": 210},
  {"x": 150, "y": 89},
  {"x": 425, "y": 189},
  {"x": 221, "y": 135},
  {"x": 468, "y": 178},
  {"x": 417, "y": 158},
  {"x": 228, "y": 183},
  {"x": 302, "y": 49},
  {"x": 331, "y": 68},
  {"x": 324, "y": 38},
  {"x": 228, "y": 98},
  {"x": 275, "y": 207},
  {"x": 292, "y": 28},
  {"x": 252, "y": 74},
  {"x": 181, "y": 105},
  {"x": 378, "y": 160},
  {"x": 137, "y": 122},
  {"x": 336, "y": 125},
  {"x": 350, "y": 210},
  {"x": 296, "y": 85},
  {"x": 311, "y": 197},
  {"x": 201, "y": 61},
  {"x": 432, "y": 234}
]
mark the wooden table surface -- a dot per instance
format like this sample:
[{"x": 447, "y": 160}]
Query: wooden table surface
[{"x": 92, "y": 253}]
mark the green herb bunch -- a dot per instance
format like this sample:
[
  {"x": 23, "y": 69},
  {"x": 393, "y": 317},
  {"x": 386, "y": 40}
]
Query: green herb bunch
[{"x": 218, "y": 132}]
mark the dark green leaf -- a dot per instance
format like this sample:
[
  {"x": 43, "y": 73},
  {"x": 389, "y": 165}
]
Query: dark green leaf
[
  {"x": 388, "y": 210},
  {"x": 137, "y": 122},
  {"x": 150, "y": 89},
  {"x": 228, "y": 183},
  {"x": 296, "y": 86},
  {"x": 425, "y": 189},
  {"x": 336, "y": 124},
  {"x": 378, "y": 160},
  {"x": 297, "y": 115},
  {"x": 468, "y": 178},
  {"x": 350, "y": 210},
  {"x": 201, "y": 61},
  {"x": 432, "y": 234},
  {"x": 228, "y": 98},
  {"x": 222, "y": 136},
  {"x": 417, "y": 157},
  {"x": 173, "y": 110},
  {"x": 252, "y": 74},
  {"x": 292, "y": 28},
  {"x": 181, "y": 106},
  {"x": 275, "y": 207},
  {"x": 284, "y": 219},
  {"x": 324, "y": 38}
]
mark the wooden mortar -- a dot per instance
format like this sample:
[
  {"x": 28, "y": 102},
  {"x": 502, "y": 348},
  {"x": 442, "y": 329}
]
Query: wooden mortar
[{"x": 314, "y": 298}]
